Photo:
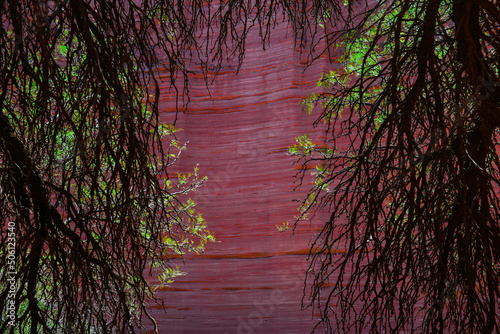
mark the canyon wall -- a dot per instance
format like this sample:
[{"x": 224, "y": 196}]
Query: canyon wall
[{"x": 251, "y": 280}]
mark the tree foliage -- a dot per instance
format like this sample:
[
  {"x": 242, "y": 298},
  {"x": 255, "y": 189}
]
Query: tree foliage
[
  {"x": 85, "y": 163},
  {"x": 410, "y": 171},
  {"x": 88, "y": 201}
]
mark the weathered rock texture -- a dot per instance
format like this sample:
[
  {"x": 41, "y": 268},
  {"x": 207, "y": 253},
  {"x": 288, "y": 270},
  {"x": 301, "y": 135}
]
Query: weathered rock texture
[{"x": 251, "y": 280}]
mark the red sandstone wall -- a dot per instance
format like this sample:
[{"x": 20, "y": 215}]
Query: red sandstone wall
[{"x": 251, "y": 281}]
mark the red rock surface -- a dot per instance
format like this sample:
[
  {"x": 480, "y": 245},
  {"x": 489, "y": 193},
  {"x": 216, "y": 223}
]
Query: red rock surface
[{"x": 251, "y": 280}]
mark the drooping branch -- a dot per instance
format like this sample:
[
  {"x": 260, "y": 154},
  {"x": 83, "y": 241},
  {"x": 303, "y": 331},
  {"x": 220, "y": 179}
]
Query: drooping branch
[{"x": 410, "y": 172}]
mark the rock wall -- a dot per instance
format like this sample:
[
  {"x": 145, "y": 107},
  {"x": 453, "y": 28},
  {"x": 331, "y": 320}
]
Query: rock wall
[{"x": 251, "y": 280}]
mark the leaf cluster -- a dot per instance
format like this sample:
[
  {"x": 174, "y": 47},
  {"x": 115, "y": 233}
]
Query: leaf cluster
[
  {"x": 411, "y": 177},
  {"x": 86, "y": 162}
]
